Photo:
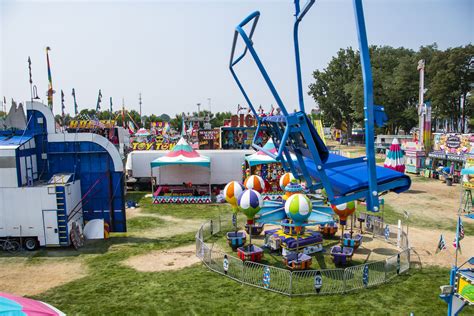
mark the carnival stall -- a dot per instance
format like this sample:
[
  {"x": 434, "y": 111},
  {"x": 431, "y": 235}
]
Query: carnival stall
[
  {"x": 267, "y": 168},
  {"x": 191, "y": 176},
  {"x": 449, "y": 152}
]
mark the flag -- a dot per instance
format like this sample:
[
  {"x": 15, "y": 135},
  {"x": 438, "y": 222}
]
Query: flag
[
  {"x": 461, "y": 229},
  {"x": 75, "y": 104},
  {"x": 459, "y": 234},
  {"x": 441, "y": 244},
  {"x": 50, "y": 80},
  {"x": 131, "y": 127},
  {"x": 110, "y": 106},
  {"x": 62, "y": 104},
  {"x": 29, "y": 70},
  {"x": 99, "y": 99}
]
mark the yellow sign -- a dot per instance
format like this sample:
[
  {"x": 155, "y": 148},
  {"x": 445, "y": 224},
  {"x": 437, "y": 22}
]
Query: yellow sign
[
  {"x": 89, "y": 124},
  {"x": 468, "y": 179}
]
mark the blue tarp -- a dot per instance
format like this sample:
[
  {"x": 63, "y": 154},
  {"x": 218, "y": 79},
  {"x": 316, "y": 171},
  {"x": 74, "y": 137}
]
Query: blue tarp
[{"x": 14, "y": 140}]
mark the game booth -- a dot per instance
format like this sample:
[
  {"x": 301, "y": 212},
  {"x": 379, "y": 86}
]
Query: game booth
[
  {"x": 268, "y": 169},
  {"x": 183, "y": 176},
  {"x": 449, "y": 151}
]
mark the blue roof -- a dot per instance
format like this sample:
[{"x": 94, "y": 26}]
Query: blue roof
[{"x": 14, "y": 141}]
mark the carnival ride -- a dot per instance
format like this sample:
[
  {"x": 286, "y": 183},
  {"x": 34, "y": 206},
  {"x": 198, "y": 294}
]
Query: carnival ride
[{"x": 305, "y": 156}]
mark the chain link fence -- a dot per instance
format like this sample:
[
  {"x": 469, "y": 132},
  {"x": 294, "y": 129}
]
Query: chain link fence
[{"x": 306, "y": 282}]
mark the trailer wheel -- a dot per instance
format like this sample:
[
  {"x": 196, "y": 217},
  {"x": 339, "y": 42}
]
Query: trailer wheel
[
  {"x": 136, "y": 187},
  {"x": 31, "y": 244}
]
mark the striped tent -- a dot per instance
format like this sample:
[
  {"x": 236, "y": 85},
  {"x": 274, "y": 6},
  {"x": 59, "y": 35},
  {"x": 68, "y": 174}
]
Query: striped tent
[
  {"x": 395, "y": 159},
  {"x": 261, "y": 158},
  {"x": 182, "y": 154}
]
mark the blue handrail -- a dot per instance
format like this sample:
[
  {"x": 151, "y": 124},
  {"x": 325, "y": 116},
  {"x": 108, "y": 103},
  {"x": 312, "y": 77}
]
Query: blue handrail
[
  {"x": 296, "y": 123},
  {"x": 299, "y": 14},
  {"x": 372, "y": 197}
]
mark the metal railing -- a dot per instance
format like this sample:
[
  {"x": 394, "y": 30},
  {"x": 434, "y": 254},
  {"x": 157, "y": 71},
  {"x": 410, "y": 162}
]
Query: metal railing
[{"x": 306, "y": 282}]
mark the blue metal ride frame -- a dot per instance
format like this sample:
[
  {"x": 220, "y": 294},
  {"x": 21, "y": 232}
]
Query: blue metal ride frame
[{"x": 296, "y": 123}]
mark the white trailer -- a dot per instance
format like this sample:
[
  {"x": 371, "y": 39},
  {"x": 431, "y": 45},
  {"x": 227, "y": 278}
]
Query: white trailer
[
  {"x": 42, "y": 215},
  {"x": 226, "y": 165}
]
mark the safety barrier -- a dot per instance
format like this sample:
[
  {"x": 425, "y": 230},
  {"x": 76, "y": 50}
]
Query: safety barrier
[{"x": 306, "y": 282}]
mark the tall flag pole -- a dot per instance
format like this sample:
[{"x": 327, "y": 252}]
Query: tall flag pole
[
  {"x": 75, "y": 103},
  {"x": 50, "y": 80},
  {"x": 99, "y": 99},
  {"x": 62, "y": 106},
  {"x": 31, "y": 78},
  {"x": 62, "y": 103},
  {"x": 110, "y": 117},
  {"x": 123, "y": 113},
  {"x": 140, "y": 103}
]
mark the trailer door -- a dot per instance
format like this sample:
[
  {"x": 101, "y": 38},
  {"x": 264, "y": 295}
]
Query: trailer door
[{"x": 50, "y": 221}]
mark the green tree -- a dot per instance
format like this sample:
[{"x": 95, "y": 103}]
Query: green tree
[{"x": 329, "y": 89}]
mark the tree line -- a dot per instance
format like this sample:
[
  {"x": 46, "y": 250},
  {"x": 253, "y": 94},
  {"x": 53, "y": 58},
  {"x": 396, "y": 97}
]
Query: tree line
[{"x": 449, "y": 78}]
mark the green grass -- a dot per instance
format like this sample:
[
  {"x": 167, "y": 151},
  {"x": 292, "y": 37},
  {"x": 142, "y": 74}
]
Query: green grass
[
  {"x": 144, "y": 222},
  {"x": 114, "y": 289},
  {"x": 392, "y": 216},
  {"x": 111, "y": 288}
]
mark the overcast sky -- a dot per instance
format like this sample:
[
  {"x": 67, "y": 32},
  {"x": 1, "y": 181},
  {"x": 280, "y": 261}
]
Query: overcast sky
[{"x": 176, "y": 53}]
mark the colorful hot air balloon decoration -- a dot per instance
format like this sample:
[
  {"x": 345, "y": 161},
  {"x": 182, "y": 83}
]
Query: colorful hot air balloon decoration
[
  {"x": 250, "y": 202},
  {"x": 344, "y": 210},
  {"x": 298, "y": 208},
  {"x": 286, "y": 179},
  {"x": 255, "y": 183},
  {"x": 232, "y": 192}
]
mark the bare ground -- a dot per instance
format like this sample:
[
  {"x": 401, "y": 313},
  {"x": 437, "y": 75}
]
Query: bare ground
[
  {"x": 430, "y": 199},
  {"x": 425, "y": 241},
  {"x": 174, "y": 226},
  {"x": 21, "y": 278},
  {"x": 164, "y": 260}
]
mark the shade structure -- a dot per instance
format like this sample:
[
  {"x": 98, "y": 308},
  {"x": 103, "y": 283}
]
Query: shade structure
[
  {"x": 142, "y": 132},
  {"x": 261, "y": 158},
  {"x": 395, "y": 159},
  {"x": 182, "y": 154},
  {"x": 17, "y": 305}
]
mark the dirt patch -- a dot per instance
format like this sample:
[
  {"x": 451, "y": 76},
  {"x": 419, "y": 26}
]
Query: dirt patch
[
  {"x": 374, "y": 249},
  {"x": 430, "y": 199},
  {"x": 425, "y": 241},
  {"x": 174, "y": 226},
  {"x": 133, "y": 212},
  {"x": 32, "y": 279},
  {"x": 164, "y": 260}
]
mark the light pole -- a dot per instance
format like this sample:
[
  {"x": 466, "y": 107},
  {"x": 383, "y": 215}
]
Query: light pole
[{"x": 199, "y": 108}]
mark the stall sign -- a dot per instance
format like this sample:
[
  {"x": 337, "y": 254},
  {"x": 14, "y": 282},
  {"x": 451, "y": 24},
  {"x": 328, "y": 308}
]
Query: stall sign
[
  {"x": 454, "y": 144},
  {"x": 468, "y": 179},
  {"x": 209, "y": 139},
  {"x": 437, "y": 155},
  {"x": 458, "y": 158},
  {"x": 153, "y": 145},
  {"x": 90, "y": 124}
]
